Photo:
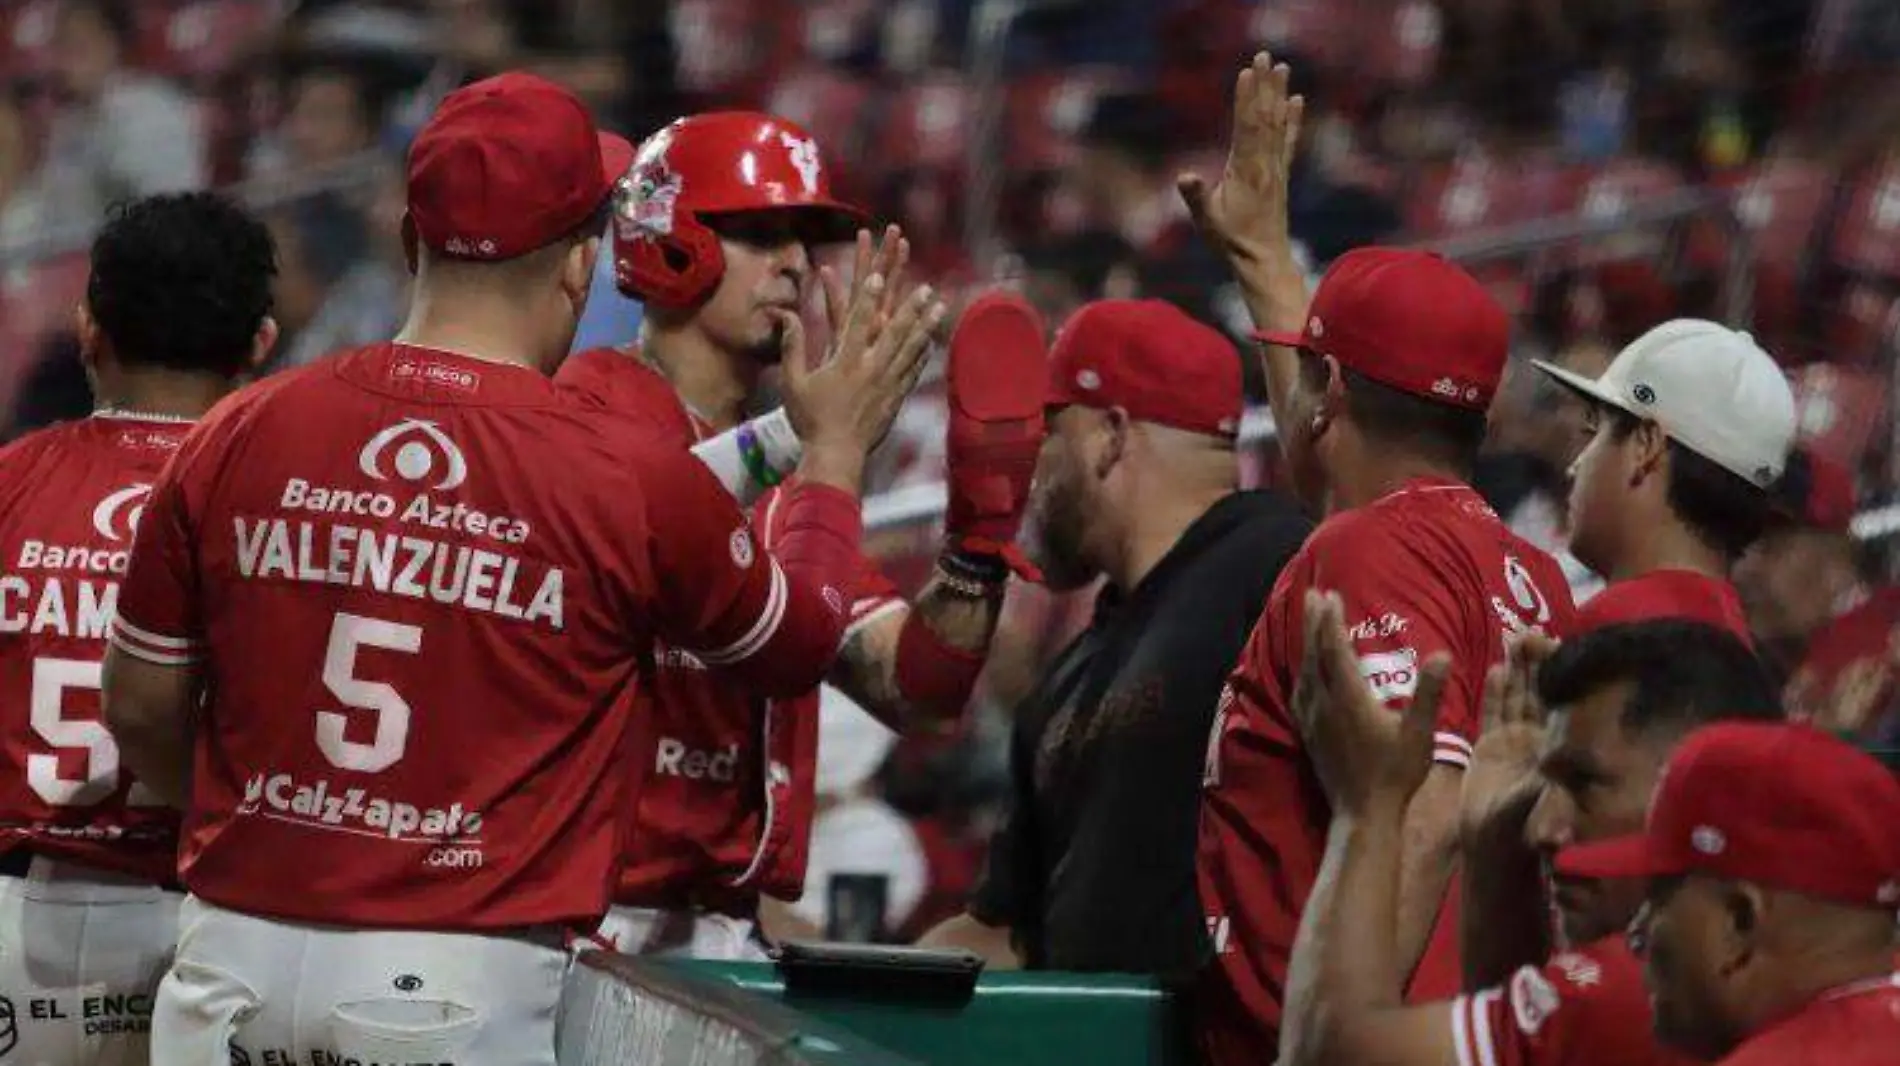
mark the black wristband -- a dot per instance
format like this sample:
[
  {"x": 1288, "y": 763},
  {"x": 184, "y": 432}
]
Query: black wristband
[{"x": 979, "y": 569}]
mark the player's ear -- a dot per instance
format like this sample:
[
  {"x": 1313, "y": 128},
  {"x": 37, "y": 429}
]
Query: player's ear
[
  {"x": 1115, "y": 426},
  {"x": 263, "y": 342},
  {"x": 1743, "y": 908},
  {"x": 86, "y": 330},
  {"x": 577, "y": 270},
  {"x": 1650, "y": 452},
  {"x": 1330, "y": 404}
]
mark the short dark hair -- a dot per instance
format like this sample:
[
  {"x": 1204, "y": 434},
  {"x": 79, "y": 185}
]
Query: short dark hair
[
  {"x": 1449, "y": 434},
  {"x": 1682, "y": 675},
  {"x": 372, "y": 98},
  {"x": 1721, "y": 508},
  {"x": 183, "y": 281},
  {"x": 1135, "y": 125}
]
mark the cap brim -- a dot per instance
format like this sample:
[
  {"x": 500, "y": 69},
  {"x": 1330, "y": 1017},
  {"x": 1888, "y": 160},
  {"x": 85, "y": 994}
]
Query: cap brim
[
  {"x": 1628, "y": 856},
  {"x": 1577, "y": 383},
  {"x": 1284, "y": 340},
  {"x": 616, "y": 157}
]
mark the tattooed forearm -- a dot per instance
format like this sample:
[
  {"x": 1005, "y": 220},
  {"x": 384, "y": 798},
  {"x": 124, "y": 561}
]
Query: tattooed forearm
[{"x": 867, "y": 665}]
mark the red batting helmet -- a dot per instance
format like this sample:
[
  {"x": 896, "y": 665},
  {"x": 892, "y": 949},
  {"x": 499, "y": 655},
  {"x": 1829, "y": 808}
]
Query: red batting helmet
[{"x": 708, "y": 165}]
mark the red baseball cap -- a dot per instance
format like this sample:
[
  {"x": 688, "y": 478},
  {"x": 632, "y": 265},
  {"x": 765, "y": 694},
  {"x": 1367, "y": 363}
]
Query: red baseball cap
[
  {"x": 1151, "y": 359},
  {"x": 507, "y": 165},
  {"x": 1782, "y": 805},
  {"x": 1683, "y": 595},
  {"x": 1412, "y": 320}
]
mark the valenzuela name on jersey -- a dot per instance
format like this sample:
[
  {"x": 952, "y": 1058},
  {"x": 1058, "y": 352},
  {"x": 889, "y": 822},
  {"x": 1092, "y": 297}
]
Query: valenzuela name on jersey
[{"x": 399, "y": 564}]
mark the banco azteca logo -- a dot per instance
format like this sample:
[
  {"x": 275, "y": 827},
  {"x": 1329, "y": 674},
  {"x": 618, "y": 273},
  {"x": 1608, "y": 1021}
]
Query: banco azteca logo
[
  {"x": 414, "y": 449},
  {"x": 117, "y": 516}
]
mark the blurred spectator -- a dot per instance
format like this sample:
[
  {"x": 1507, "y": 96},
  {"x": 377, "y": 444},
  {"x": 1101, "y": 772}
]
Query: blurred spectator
[
  {"x": 359, "y": 271},
  {"x": 1061, "y": 274},
  {"x": 23, "y": 199},
  {"x": 1125, "y": 176},
  {"x": 333, "y": 112},
  {"x": 119, "y": 133},
  {"x": 1815, "y": 605},
  {"x": 1537, "y": 429},
  {"x": 319, "y": 241}
]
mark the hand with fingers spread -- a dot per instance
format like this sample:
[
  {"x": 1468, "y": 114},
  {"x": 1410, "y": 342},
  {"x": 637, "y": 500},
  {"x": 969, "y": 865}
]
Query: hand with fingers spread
[
  {"x": 843, "y": 408},
  {"x": 886, "y": 259},
  {"x": 1245, "y": 212},
  {"x": 1367, "y": 755},
  {"x": 1502, "y": 782}
]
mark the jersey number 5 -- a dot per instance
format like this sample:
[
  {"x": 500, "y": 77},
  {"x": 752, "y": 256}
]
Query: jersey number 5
[
  {"x": 347, "y": 634},
  {"x": 52, "y": 680}
]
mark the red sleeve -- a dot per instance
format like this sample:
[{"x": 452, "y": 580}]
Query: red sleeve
[
  {"x": 1581, "y": 1009},
  {"x": 870, "y": 594},
  {"x": 775, "y": 619},
  {"x": 1397, "y": 616},
  {"x": 157, "y": 618}
]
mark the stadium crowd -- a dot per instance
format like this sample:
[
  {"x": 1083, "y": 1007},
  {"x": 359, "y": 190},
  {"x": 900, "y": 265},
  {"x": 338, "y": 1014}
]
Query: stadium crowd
[{"x": 450, "y": 550}]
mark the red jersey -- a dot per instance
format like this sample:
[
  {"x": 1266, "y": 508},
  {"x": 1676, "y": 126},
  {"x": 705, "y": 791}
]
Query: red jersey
[
  {"x": 1855, "y": 1025},
  {"x": 1845, "y": 680},
  {"x": 1428, "y": 568},
  {"x": 1659, "y": 594},
  {"x": 422, "y": 587},
  {"x": 728, "y": 805},
  {"x": 70, "y": 496},
  {"x": 1583, "y": 1008}
]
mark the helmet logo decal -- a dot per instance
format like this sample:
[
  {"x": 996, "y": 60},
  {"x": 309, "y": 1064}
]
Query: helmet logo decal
[
  {"x": 647, "y": 198},
  {"x": 803, "y": 152}
]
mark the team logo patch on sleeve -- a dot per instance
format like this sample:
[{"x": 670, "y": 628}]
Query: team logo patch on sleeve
[
  {"x": 1533, "y": 1000},
  {"x": 1393, "y": 675}
]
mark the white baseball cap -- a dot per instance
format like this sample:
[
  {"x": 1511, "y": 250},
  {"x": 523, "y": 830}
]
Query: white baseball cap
[{"x": 1712, "y": 390}]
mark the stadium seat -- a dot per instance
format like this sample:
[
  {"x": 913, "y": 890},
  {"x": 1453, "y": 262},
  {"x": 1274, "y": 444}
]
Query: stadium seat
[
  {"x": 1476, "y": 191},
  {"x": 1841, "y": 411},
  {"x": 928, "y": 125},
  {"x": 1867, "y": 236},
  {"x": 26, "y": 37},
  {"x": 833, "y": 31},
  {"x": 728, "y": 50},
  {"x": 1779, "y": 204}
]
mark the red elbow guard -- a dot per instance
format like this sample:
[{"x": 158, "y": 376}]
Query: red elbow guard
[{"x": 932, "y": 676}]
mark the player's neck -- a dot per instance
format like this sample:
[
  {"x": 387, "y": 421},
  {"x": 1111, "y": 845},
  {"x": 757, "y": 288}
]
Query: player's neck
[
  {"x": 713, "y": 383},
  {"x": 1834, "y": 972},
  {"x": 1360, "y": 484},
  {"x": 1155, "y": 528},
  {"x": 160, "y": 393},
  {"x": 490, "y": 330},
  {"x": 1667, "y": 545}
]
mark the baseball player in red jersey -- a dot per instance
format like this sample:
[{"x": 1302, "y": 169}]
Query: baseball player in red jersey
[
  {"x": 1379, "y": 390},
  {"x": 715, "y": 228},
  {"x": 1774, "y": 875},
  {"x": 415, "y": 589},
  {"x": 1619, "y": 700},
  {"x": 176, "y": 309},
  {"x": 1689, "y": 429},
  {"x": 1816, "y": 601}
]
